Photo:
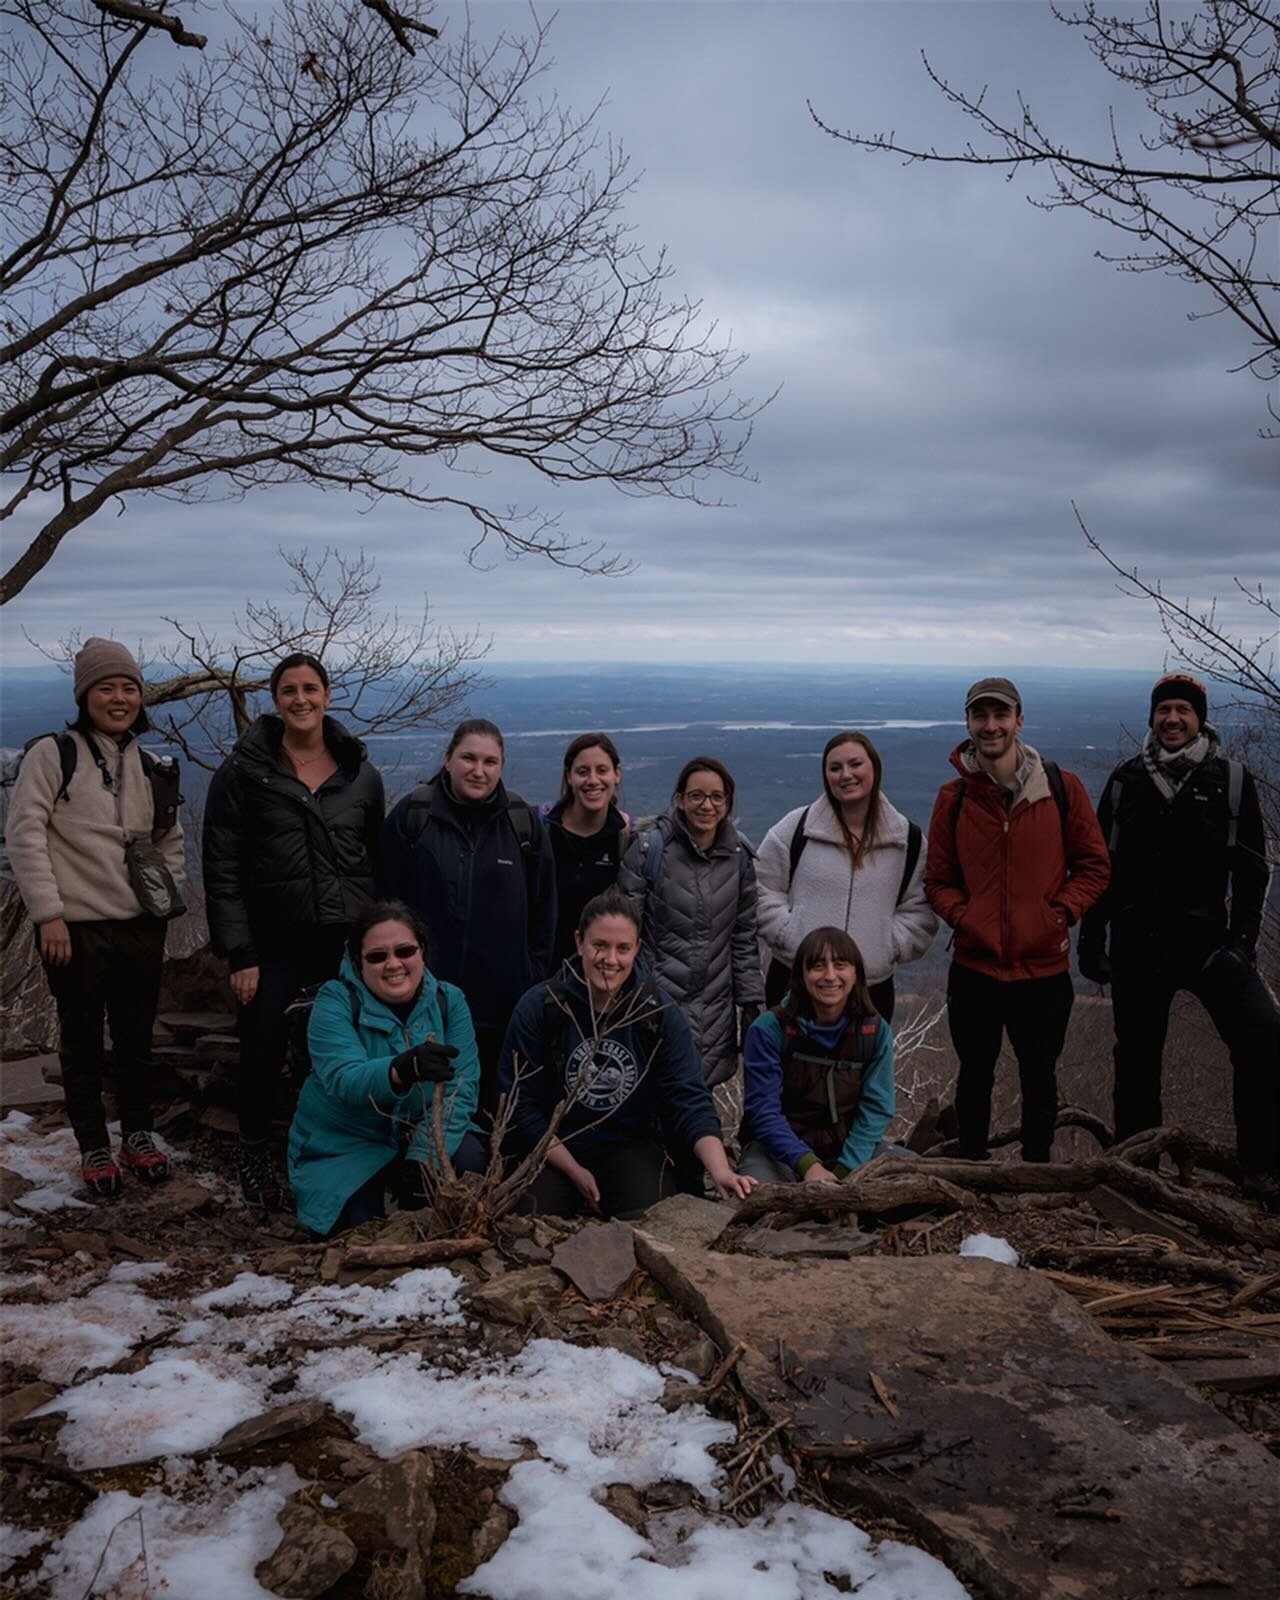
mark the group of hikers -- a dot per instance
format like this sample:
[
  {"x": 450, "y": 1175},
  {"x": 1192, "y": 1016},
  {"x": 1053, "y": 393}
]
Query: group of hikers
[{"x": 587, "y": 979}]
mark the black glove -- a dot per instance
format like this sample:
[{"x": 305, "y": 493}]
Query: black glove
[
  {"x": 425, "y": 1063},
  {"x": 1094, "y": 963}
]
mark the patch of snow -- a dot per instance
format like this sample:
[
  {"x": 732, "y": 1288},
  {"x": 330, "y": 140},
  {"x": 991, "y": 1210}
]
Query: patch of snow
[
  {"x": 16, "y": 1542},
  {"x": 202, "y": 1548},
  {"x": 172, "y": 1406},
  {"x": 248, "y": 1289},
  {"x": 993, "y": 1249},
  {"x": 593, "y": 1413},
  {"x": 63, "y": 1338},
  {"x": 138, "y": 1271},
  {"x": 53, "y": 1197},
  {"x": 8, "y": 1220}
]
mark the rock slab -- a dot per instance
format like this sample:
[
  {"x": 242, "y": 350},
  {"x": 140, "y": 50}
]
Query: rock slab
[
  {"x": 1036, "y": 1455},
  {"x": 686, "y": 1221},
  {"x": 598, "y": 1259}
]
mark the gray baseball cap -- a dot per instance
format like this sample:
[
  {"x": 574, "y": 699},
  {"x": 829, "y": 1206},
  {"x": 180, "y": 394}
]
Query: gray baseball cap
[{"x": 1001, "y": 689}]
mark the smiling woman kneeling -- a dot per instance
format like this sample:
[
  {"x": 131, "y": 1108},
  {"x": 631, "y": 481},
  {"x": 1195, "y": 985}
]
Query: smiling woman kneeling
[
  {"x": 817, "y": 1071},
  {"x": 621, "y": 1052},
  {"x": 381, "y": 1036}
]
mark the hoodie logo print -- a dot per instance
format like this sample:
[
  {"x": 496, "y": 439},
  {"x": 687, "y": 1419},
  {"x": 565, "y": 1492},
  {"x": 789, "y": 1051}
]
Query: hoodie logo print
[{"x": 603, "y": 1074}]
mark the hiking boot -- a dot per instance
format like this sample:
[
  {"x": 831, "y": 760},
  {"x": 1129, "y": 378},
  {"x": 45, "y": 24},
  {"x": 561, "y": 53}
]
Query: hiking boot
[
  {"x": 100, "y": 1173},
  {"x": 140, "y": 1155},
  {"x": 258, "y": 1184}
]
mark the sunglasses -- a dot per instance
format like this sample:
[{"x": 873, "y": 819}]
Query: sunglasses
[{"x": 402, "y": 952}]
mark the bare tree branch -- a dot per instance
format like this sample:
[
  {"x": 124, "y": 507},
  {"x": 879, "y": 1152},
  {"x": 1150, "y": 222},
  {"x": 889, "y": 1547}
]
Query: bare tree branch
[
  {"x": 153, "y": 17},
  {"x": 313, "y": 257},
  {"x": 1199, "y": 194}
]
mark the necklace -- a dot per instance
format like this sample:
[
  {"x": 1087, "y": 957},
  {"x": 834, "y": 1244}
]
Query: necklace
[{"x": 310, "y": 761}]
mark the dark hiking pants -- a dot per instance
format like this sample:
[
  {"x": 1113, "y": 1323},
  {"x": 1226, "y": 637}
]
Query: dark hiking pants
[
  {"x": 114, "y": 972},
  {"x": 1034, "y": 1012},
  {"x": 1240, "y": 1008},
  {"x": 299, "y": 960},
  {"x": 631, "y": 1178}
]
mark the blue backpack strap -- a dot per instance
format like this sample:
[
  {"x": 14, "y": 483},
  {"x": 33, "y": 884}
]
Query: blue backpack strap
[{"x": 653, "y": 843}]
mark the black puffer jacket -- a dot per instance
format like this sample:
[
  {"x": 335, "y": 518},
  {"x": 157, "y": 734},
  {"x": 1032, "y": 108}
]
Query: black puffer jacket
[
  {"x": 699, "y": 931},
  {"x": 489, "y": 906},
  {"x": 1171, "y": 871},
  {"x": 278, "y": 858}
]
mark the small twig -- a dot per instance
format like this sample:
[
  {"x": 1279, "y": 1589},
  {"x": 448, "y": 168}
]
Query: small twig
[
  {"x": 865, "y": 1449},
  {"x": 1254, "y": 1291},
  {"x": 750, "y": 1492},
  {"x": 725, "y": 1367},
  {"x": 751, "y": 1448}
]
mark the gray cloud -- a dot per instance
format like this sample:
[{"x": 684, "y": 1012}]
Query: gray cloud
[{"x": 955, "y": 367}]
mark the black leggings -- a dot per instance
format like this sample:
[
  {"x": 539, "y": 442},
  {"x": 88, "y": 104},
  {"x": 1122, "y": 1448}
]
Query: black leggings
[
  {"x": 631, "y": 1178},
  {"x": 114, "y": 970},
  {"x": 301, "y": 958}
]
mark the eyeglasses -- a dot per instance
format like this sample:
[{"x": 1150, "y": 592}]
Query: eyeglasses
[
  {"x": 700, "y": 799},
  {"x": 402, "y": 952}
]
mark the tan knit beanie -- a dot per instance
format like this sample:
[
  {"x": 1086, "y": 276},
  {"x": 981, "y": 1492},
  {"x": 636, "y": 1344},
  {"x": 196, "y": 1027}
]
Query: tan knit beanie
[{"x": 97, "y": 659}]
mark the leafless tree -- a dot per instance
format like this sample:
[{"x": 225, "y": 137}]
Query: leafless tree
[
  {"x": 1199, "y": 195},
  {"x": 387, "y": 675},
  {"x": 303, "y": 254}
]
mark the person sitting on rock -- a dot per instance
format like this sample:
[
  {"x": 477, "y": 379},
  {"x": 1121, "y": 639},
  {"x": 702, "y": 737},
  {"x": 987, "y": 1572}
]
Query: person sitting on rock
[
  {"x": 620, "y": 1052},
  {"x": 381, "y": 1036},
  {"x": 817, "y": 1071}
]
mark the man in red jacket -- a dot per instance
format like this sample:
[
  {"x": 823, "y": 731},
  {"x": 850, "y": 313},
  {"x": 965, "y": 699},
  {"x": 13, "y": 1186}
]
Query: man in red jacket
[{"x": 1016, "y": 858}]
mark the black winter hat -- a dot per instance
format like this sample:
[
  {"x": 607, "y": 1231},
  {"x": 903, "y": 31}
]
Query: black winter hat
[{"x": 1181, "y": 686}]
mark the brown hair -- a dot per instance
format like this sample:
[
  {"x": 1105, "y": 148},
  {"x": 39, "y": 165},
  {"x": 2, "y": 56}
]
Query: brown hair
[
  {"x": 809, "y": 952},
  {"x": 707, "y": 764},
  {"x": 299, "y": 658},
  {"x": 477, "y": 725},
  {"x": 587, "y": 741},
  {"x": 857, "y": 850},
  {"x": 610, "y": 903}
]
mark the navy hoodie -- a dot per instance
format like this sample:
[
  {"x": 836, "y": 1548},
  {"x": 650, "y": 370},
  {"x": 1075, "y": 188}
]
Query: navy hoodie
[{"x": 619, "y": 1102}]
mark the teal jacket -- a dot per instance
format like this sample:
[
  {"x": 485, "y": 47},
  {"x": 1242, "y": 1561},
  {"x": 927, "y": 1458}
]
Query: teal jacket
[{"x": 350, "y": 1122}]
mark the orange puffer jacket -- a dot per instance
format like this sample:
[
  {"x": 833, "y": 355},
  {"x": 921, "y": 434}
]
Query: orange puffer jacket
[{"x": 1011, "y": 883}]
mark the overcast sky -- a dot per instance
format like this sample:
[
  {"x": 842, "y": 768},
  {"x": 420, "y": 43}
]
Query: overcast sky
[{"x": 954, "y": 366}]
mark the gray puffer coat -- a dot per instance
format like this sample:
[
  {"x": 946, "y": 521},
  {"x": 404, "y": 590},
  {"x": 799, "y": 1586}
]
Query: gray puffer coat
[{"x": 699, "y": 931}]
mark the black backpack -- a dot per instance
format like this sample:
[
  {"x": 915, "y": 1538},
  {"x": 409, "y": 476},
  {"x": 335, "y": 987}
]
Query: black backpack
[
  {"x": 162, "y": 772},
  {"x": 914, "y": 840},
  {"x": 298, "y": 1016}
]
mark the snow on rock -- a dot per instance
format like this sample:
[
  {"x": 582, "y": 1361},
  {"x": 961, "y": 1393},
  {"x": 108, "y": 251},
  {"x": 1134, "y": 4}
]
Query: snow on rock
[
  {"x": 993, "y": 1249},
  {"x": 52, "y": 1162},
  {"x": 591, "y": 1412},
  {"x": 172, "y": 1406},
  {"x": 202, "y": 1547},
  {"x": 248, "y": 1289},
  {"x": 63, "y": 1338},
  {"x": 17, "y": 1542}
]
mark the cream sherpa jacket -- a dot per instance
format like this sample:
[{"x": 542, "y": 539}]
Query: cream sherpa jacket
[
  {"x": 827, "y": 892},
  {"x": 68, "y": 855}
]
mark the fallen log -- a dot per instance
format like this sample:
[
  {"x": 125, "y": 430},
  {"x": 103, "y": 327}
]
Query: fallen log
[
  {"x": 1171, "y": 1263},
  {"x": 890, "y": 1182},
  {"x": 418, "y": 1253}
]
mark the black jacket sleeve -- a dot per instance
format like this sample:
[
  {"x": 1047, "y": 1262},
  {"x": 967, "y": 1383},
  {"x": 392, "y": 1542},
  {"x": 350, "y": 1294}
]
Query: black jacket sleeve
[
  {"x": 392, "y": 857},
  {"x": 222, "y": 861},
  {"x": 541, "y": 884},
  {"x": 1250, "y": 872}
]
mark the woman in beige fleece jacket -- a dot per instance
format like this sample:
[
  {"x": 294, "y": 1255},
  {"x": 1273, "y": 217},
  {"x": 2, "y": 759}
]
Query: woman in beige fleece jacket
[{"x": 101, "y": 952}]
